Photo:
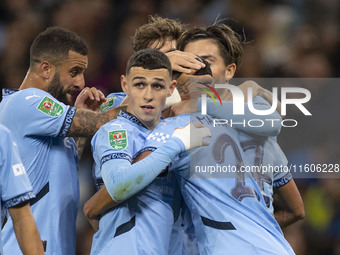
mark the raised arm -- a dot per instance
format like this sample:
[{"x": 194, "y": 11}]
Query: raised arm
[
  {"x": 288, "y": 204},
  {"x": 123, "y": 179},
  {"x": 86, "y": 123},
  {"x": 184, "y": 62}
]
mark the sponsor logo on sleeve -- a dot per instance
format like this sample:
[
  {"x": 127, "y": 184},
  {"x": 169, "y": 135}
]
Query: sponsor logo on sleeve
[
  {"x": 50, "y": 107},
  {"x": 118, "y": 139},
  {"x": 108, "y": 104}
]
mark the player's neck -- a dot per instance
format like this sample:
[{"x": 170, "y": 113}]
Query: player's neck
[
  {"x": 32, "y": 80},
  {"x": 148, "y": 123},
  {"x": 151, "y": 124}
]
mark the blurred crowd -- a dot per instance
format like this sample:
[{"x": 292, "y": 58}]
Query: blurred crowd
[{"x": 285, "y": 38}]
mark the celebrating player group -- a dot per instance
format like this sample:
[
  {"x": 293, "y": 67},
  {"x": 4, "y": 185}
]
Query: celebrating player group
[{"x": 146, "y": 142}]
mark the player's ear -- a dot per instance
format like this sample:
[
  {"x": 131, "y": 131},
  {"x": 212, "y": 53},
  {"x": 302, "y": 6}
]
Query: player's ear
[
  {"x": 123, "y": 83},
  {"x": 172, "y": 87},
  {"x": 230, "y": 71},
  {"x": 45, "y": 70}
]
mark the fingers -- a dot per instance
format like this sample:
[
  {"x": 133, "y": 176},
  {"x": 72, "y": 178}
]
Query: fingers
[
  {"x": 184, "y": 62},
  {"x": 94, "y": 94},
  {"x": 202, "y": 79},
  {"x": 90, "y": 98},
  {"x": 198, "y": 125},
  {"x": 205, "y": 143}
]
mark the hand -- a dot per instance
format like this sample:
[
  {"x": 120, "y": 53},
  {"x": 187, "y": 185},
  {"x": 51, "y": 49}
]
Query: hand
[
  {"x": 90, "y": 99},
  {"x": 192, "y": 135},
  {"x": 94, "y": 224},
  {"x": 257, "y": 90},
  {"x": 187, "y": 85},
  {"x": 184, "y": 62},
  {"x": 185, "y": 106}
]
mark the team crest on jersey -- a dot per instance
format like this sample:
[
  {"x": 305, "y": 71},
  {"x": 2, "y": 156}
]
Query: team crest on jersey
[
  {"x": 50, "y": 107},
  {"x": 118, "y": 139},
  {"x": 109, "y": 102}
]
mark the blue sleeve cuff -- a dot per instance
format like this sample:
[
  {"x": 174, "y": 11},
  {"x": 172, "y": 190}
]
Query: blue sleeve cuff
[
  {"x": 281, "y": 182},
  {"x": 19, "y": 199},
  {"x": 67, "y": 122}
]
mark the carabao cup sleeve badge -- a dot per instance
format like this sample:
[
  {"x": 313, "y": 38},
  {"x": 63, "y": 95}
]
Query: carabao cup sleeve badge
[
  {"x": 50, "y": 107},
  {"x": 118, "y": 139},
  {"x": 108, "y": 104}
]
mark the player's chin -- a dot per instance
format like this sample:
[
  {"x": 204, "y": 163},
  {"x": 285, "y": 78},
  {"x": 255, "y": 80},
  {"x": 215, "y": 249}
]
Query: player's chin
[{"x": 148, "y": 117}]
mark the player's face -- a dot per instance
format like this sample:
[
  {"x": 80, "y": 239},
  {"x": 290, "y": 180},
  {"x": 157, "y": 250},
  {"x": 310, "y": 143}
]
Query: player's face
[
  {"x": 147, "y": 91},
  {"x": 164, "y": 46},
  {"x": 208, "y": 49},
  {"x": 68, "y": 78}
]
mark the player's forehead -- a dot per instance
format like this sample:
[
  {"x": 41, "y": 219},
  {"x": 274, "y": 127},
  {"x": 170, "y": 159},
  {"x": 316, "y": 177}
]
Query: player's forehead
[
  {"x": 141, "y": 73},
  {"x": 75, "y": 60},
  {"x": 203, "y": 47}
]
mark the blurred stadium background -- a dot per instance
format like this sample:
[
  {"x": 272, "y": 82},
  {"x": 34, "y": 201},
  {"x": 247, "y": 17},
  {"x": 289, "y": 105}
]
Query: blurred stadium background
[{"x": 288, "y": 38}]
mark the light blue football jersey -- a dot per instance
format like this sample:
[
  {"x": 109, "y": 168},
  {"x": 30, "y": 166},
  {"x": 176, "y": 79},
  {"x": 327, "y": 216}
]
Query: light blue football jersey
[
  {"x": 112, "y": 100},
  {"x": 179, "y": 239},
  {"x": 143, "y": 223},
  {"x": 39, "y": 123},
  {"x": 229, "y": 209},
  {"x": 15, "y": 186}
]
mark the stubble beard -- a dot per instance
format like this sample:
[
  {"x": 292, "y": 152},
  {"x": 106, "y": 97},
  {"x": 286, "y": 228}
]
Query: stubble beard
[{"x": 57, "y": 91}]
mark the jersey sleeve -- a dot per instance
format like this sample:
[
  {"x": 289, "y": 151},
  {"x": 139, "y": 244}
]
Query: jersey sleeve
[
  {"x": 122, "y": 179},
  {"x": 112, "y": 100},
  {"x": 15, "y": 185},
  {"x": 281, "y": 174},
  {"x": 164, "y": 130},
  {"x": 271, "y": 123},
  {"x": 38, "y": 113}
]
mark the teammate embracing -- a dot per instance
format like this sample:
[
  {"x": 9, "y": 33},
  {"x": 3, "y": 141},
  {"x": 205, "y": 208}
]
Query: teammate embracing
[{"x": 142, "y": 221}]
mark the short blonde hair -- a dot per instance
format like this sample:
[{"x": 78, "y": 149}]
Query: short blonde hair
[{"x": 157, "y": 28}]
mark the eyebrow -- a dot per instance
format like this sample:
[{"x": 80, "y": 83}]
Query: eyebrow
[
  {"x": 206, "y": 56},
  {"x": 139, "y": 77},
  {"x": 77, "y": 69},
  {"x": 143, "y": 78},
  {"x": 159, "y": 79}
]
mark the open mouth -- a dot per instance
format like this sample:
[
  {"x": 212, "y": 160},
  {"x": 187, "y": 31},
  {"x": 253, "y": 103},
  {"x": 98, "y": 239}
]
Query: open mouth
[{"x": 147, "y": 108}]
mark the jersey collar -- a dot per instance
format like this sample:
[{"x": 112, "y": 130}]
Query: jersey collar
[
  {"x": 7, "y": 92},
  {"x": 131, "y": 118}
]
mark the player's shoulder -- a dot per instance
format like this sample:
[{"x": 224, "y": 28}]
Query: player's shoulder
[
  {"x": 116, "y": 95},
  {"x": 32, "y": 96},
  {"x": 32, "y": 93},
  {"x": 182, "y": 119},
  {"x": 117, "y": 124}
]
